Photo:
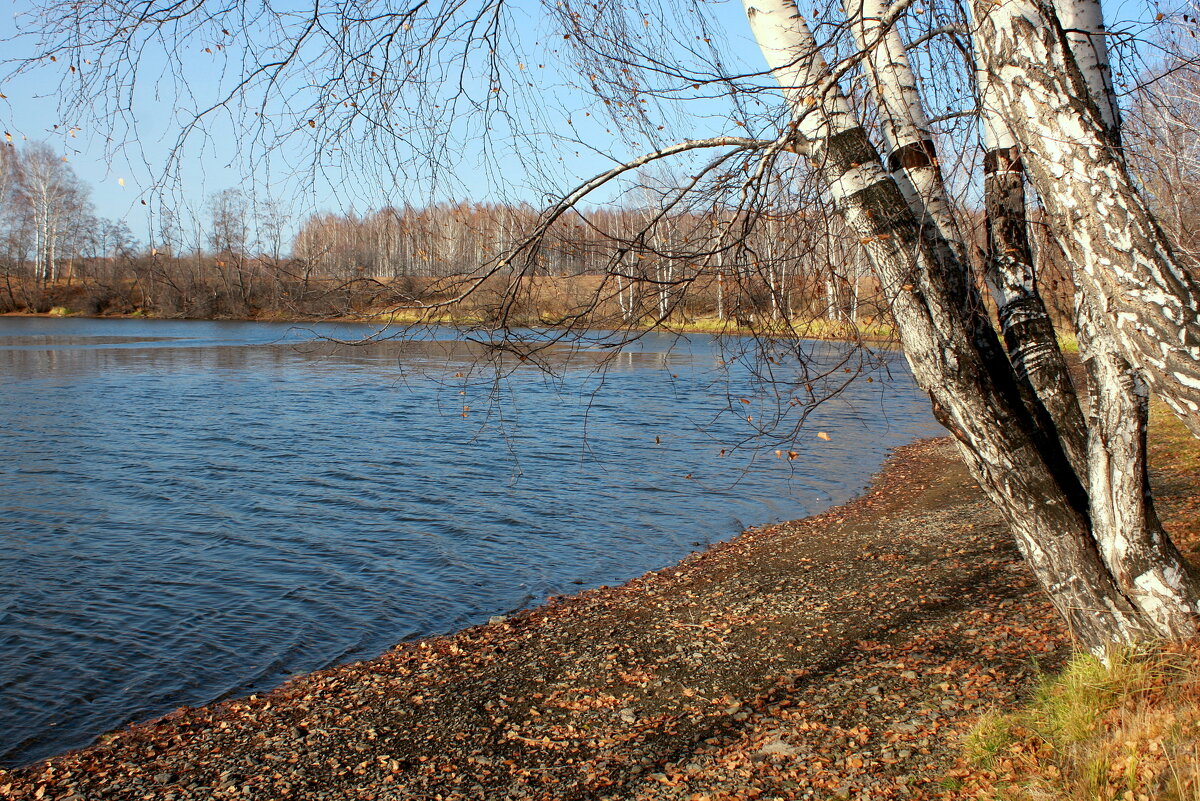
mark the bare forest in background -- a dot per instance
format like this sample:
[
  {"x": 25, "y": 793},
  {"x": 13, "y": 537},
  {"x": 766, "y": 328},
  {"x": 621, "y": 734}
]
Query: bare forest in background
[{"x": 640, "y": 262}]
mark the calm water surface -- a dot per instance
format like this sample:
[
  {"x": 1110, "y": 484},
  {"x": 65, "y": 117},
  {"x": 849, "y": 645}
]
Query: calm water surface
[{"x": 190, "y": 510}]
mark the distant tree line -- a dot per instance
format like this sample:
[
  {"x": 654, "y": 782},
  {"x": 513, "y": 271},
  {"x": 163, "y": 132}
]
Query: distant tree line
[
  {"x": 49, "y": 232},
  {"x": 641, "y": 262},
  {"x": 637, "y": 261}
]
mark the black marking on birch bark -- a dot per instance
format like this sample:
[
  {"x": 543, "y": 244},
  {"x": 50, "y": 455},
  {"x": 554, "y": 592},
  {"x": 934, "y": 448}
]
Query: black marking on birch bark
[
  {"x": 1125, "y": 509},
  {"x": 1026, "y": 406},
  {"x": 1081, "y": 92},
  {"x": 957, "y": 358},
  {"x": 1117, "y": 459},
  {"x": 914, "y": 155},
  {"x": 1003, "y": 159},
  {"x": 1142, "y": 343},
  {"x": 849, "y": 149},
  {"x": 887, "y": 211},
  {"x": 890, "y": 216},
  {"x": 1029, "y": 335}
]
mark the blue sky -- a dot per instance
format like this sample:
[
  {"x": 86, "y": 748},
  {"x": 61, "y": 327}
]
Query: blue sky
[
  {"x": 563, "y": 134},
  {"x": 509, "y": 166}
]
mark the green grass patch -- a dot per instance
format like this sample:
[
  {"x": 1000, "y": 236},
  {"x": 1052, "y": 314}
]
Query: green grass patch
[
  {"x": 1123, "y": 727},
  {"x": 1067, "y": 342}
]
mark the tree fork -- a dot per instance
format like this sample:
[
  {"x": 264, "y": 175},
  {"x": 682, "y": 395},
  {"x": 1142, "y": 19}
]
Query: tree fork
[
  {"x": 1124, "y": 262},
  {"x": 976, "y": 395}
]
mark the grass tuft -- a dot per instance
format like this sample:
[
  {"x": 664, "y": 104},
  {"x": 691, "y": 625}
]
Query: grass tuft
[{"x": 1123, "y": 727}]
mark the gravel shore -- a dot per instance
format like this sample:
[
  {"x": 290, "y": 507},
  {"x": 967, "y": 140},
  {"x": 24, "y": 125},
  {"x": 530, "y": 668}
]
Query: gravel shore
[{"x": 840, "y": 656}]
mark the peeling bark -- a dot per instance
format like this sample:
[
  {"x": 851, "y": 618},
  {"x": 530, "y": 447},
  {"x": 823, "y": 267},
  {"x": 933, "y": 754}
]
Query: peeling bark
[
  {"x": 1124, "y": 263},
  {"x": 1028, "y": 332},
  {"x": 954, "y": 353},
  {"x": 1083, "y": 24},
  {"x": 1139, "y": 555}
]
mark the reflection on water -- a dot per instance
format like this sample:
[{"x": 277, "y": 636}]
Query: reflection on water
[{"x": 196, "y": 509}]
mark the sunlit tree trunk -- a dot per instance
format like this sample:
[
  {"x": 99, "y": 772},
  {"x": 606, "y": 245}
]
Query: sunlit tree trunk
[
  {"x": 721, "y": 285},
  {"x": 954, "y": 353},
  {"x": 1123, "y": 261},
  {"x": 1025, "y": 323},
  {"x": 1139, "y": 555},
  {"x": 908, "y": 138},
  {"x": 1133, "y": 544}
]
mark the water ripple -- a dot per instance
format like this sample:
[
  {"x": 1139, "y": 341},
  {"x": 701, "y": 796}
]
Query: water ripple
[{"x": 191, "y": 510}]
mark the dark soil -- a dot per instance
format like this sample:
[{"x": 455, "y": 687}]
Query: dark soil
[{"x": 838, "y": 656}]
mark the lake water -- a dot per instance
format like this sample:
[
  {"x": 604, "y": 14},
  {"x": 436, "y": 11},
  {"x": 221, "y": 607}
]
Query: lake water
[{"x": 191, "y": 510}]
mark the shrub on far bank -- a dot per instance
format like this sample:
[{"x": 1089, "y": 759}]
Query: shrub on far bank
[{"x": 1102, "y": 730}]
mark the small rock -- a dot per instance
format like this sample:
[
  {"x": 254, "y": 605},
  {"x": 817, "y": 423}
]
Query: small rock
[
  {"x": 908, "y": 674},
  {"x": 496, "y": 620},
  {"x": 628, "y": 715},
  {"x": 164, "y": 778},
  {"x": 779, "y": 747}
]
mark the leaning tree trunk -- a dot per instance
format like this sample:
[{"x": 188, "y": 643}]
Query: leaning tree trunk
[
  {"x": 1138, "y": 552},
  {"x": 1139, "y": 555},
  {"x": 912, "y": 159},
  {"x": 1123, "y": 262},
  {"x": 954, "y": 353},
  {"x": 1025, "y": 324},
  {"x": 908, "y": 137}
]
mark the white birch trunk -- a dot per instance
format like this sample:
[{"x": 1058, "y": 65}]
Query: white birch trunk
[
  {"x": 1140, "y": 556},
  {"x": 720, "y": 288},
  {"x": 1083, "y": 22},
  {"x": 1029, "y": 334},
  {"x": 1124, "y": 262},
  {"x": 952, "y": 350},
  {"x": 908, "y": 136}
]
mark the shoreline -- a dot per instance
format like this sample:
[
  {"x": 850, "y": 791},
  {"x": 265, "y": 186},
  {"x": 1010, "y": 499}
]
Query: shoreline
[
  {"x": 780, "y": 663},
  {"x": 386, "y": 319}
]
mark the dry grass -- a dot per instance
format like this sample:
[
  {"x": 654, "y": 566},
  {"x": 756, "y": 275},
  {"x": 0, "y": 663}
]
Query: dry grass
[
  {"x": 865, "y": 330},
  {"x": 817, "y": 328},
  {"x": 1173, "y": 449},
  {"x": 1125, "y": 728}
]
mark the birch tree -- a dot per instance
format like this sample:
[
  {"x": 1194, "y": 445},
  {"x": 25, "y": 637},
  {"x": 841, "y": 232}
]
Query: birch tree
[{"x": 50, "y": 191}]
